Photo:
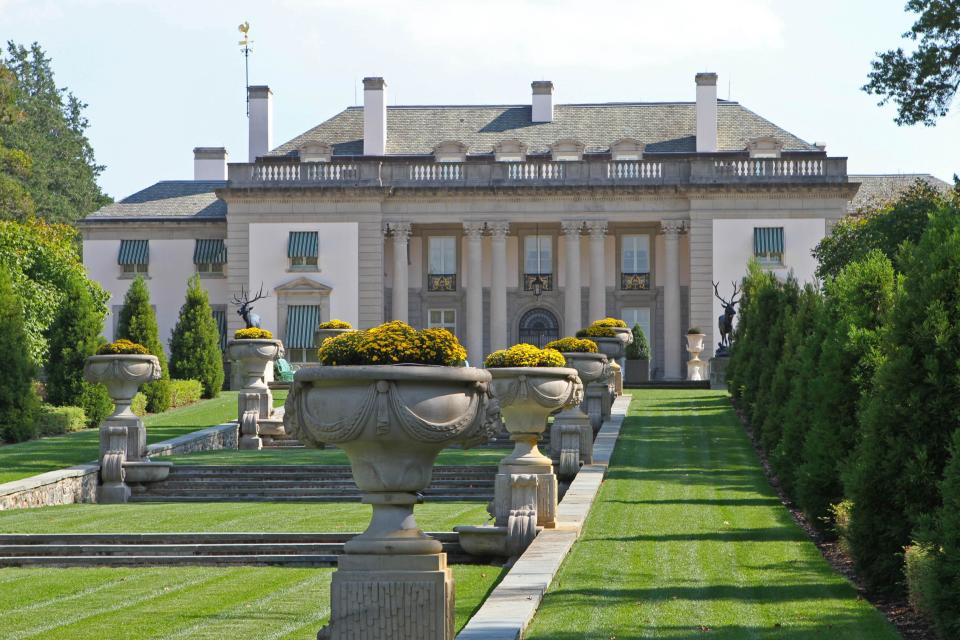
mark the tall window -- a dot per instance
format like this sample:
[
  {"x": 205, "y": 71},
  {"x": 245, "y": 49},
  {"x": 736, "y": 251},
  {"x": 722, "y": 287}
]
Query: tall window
[
  {"x": 300, "y": 338},
  {"x": 443, "y": 319},
  {"x": 442, "y": 263},
  {"x": 641, "y": 316},
  {"x": 635, "y": 262},
  {"x": 538, "y": 260}
]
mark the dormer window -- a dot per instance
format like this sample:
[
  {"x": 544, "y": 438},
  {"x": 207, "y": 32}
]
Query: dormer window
[
  {"x": 567, "y": 151},
  {"x": 764, "y": 147},
  {"x": 315, "y": 152},
  {"x": 510, "y": 151},
  {"x": 450, "y": 151},
  {"x": 627, "y": 149}
]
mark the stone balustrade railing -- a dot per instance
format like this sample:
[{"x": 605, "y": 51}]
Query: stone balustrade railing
[{"x": 404, "y": 172}]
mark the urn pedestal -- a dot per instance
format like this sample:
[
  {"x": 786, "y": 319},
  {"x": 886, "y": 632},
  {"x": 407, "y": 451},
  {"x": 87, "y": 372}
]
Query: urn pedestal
[
  {"x": 124, "y": 466},
  {"x": 695, "y": 366},
  {"x": 392, "y": 582},
  {"x": 571, "y": 434},
  {"x": 255, "y": 401}
]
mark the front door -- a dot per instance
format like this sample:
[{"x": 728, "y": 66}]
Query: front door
[{"x": 538, "y": 327}]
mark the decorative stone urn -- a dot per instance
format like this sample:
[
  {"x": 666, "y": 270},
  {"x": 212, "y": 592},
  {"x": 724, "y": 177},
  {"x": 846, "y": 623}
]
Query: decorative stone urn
[
  {"x": 695, "y": 366},
  {"x": 624, "y": 333},
  {"x": 571, "y": 435},
  {"x": 322, "y": 334},
  {"x": 255, "y": 401},
  {"x": 392, "y": 581},
  {"x": 613, "y": 347},
  {"x": 123, "y": 438}
]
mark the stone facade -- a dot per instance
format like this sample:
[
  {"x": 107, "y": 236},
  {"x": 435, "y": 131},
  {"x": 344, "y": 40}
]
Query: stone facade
[{"x": 64, "y": 486}]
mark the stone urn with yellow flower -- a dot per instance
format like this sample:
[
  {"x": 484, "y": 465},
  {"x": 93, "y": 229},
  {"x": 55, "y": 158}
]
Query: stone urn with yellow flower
[{"x": 392, "y": 398}]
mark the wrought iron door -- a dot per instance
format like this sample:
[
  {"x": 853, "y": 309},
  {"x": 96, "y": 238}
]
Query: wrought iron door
[{"x": 538, "y": 327}]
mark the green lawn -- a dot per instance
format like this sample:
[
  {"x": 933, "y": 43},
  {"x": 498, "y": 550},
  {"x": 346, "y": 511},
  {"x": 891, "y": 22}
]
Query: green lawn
[
  {"x": 48, "y": 454},
  {"x": 225, "y": 517},
  {"x": 186, "y": 603},
  {"x": 687, "y": 540},
  {"x": 326, "y": 456}
]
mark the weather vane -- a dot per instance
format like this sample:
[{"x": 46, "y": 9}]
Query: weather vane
[{"x": 245, "y": 43}]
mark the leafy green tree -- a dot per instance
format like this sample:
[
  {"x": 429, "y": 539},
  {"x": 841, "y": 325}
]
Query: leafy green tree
[
  {"x": 43, "y": 259},
  {"x": 923, "y": 82},
  {"x": 886, "y": 229},
  {"x": 18, "y": 400},
  {"x": 138, "y": 322},
  {"x": 63, "y": 179},
  {"x": 195, "y": 343},
  {"x": 911, "y": 411},
  {"x": 947, "y": 599},
  {"x": 75, "y": 335},
  {"x": 857, "y": 303},
  {"x": 15, "y": 165}
]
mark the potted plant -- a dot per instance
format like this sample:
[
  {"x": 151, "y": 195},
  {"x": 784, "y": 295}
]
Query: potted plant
[
  {"x": 695, "y": 366},
  {"x": 619, "y": 327},
  {"x": 695, "y": 336},
  {"x": 122, "y": 366},
  {"x": 331, "y": 328},
  {"x": 608, "y": 341},
  {"x": 254, "y": 348},
  {"x": 392, "y": 398},
  {"x": 638, "y": 358}
]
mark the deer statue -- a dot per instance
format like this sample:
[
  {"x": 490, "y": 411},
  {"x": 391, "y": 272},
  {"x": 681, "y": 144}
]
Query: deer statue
[
  {"x": 245, "y": 306},
  {"x": 725, "y": 322}
]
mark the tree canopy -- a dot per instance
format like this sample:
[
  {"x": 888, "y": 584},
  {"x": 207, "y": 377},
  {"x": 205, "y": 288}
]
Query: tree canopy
[
  {"x": 46, "y": 128},
  {"x": 921, "y": 83}
]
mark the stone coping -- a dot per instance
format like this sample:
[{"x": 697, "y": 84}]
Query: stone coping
[
  {"x": 180, "y": 443},
  {"x": 511, "y": 606},
  {"x": 48, "y": 478}
]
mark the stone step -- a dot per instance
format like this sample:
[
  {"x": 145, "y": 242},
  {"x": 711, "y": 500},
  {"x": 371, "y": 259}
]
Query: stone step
[
  {"x": 219, "y": 497},
  {"x": 312, "y": 470},
  {"x": 243, "y": 537},
  {"x": 154, "y": 560},
  {"x": 242, "y": 483},
  {"x": 163, "y": 489}
]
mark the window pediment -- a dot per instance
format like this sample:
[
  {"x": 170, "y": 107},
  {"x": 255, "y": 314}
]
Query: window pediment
[
  {"x": 510, "y": 151},
  {"x": 764, "y": 147},
  {"x": 627, "y": 149},
  {"x": 315, "y": 152},
  {"x": 303, "y": 286},
  {"x": 450, "y": 151},
  {"x": 567, "y": 150}
]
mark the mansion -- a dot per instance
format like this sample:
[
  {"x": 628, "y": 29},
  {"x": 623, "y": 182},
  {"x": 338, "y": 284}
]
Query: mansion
[{"x": 504, "y": 224}]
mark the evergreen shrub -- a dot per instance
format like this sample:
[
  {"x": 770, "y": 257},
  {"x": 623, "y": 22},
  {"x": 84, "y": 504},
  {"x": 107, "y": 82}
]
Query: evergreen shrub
[
  {"x": 55, "y": 421},
  {"x": 639, "y": 349},
  {"x": 195, "y": 343},
  {"x": 138, "y": 323},
  {"x": 18, "y": 399}
]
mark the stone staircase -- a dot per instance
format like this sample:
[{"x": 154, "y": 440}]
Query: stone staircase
[
  {"x": 302, "y": 483},
  {"x": 180, "y": 549}
]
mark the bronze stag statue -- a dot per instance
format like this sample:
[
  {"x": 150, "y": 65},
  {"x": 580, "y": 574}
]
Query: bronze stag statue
[
  {"x": 245, "y": 306},
  {"x": 725, "y": 322}
]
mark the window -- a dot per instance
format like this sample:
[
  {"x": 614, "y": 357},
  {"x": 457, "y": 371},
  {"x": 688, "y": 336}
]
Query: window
[
  {"x": 641, "y": 316},
  {"x": 303, "y": 249},
  {"x": 635, "y": 262},
  {"x": 538, "y": 262},
  {"x": 209, "y": 256},
  {"x": 768, "y": 246},
  {"x": 220, "y": 317},
  {"x": 134, "y": 256},
  {"x": 442, "y": 319},
  {"x": 442, "y": 263},
  {"x": 300, "y": 335}
]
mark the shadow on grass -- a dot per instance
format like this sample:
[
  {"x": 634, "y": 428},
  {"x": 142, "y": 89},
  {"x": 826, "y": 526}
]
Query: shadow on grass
[
  {"x": 759, "y": 534},
  {"x": 709, "y": 502}
]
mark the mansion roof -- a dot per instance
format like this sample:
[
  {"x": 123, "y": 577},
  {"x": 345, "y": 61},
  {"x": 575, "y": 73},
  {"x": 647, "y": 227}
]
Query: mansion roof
[
  {"x": 664, "y": 127},
  {"x": 878, "y": 189},
  {"x": 169, "y": 200}
]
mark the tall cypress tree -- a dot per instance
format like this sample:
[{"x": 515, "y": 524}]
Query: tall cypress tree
[
  {"x": 73, "y": 336},
  {"x": 195, "y": 343},
  {"x": 138, "y": 322},
  {"x": 18, "y": 400}
]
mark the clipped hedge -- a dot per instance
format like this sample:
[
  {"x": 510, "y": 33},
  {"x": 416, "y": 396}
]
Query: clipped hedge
[
  {"x": 184, "y": 392},
  {"x": 139, "y": 404},
  {"x": 55, "y": 421}
]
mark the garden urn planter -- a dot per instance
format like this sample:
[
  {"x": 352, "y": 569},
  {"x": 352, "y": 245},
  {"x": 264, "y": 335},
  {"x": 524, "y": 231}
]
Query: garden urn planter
[
  {"x": 392, "y": 421},
  {"x": 613, "y": 347},
  {"x": 322, "y": 334},
  {"x": 255, "y": 401},
  {"x": 123, "y": 438},
  {"x": 695, "y": 366},
  {"x": 625, "y": 335},
  {"x": 571, "y": 434},
  {"x": 528, "y": 395}
]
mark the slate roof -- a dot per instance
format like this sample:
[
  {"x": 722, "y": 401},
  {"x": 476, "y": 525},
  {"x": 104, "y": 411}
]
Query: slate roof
[
  {"x": 877, "y": 189},
  {"x": 662, "y": 126},
  {"x": 169, "y": 200}
]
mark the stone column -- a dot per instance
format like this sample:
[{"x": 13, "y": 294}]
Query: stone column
[
  {"x": 498, "y": 285},
  {"x": 572, "y": 307},
  {"x": 401, "y": 285},
  {"x": 672, "y": 348},
  {"x": 474, "y": 233},
  {"x": 598, "y": 283}
]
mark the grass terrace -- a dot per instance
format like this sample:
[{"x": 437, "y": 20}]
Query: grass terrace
[{"x": 688, "y": 540}]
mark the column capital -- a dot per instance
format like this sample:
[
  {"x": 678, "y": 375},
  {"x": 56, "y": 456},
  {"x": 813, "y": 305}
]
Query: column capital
[
  {"x": 571, "y": 227},
  {"x": 499, "y": 229},
  {"x": 597, "y": 228},
  {"x": 672, "y": 227},
  {"x": 473, "y": 230},
  {"x": 399, "y": 230}
]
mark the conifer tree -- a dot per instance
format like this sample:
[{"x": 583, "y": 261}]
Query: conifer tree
[
  {"x": 73, "y": 336},
  {"x": 138, "y": 322},
  {"x": 195, "y": 343},
  {"x": 18, "y": 400}
]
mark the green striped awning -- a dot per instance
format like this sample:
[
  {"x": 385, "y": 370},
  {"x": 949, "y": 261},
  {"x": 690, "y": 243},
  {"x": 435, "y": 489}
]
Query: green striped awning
[
  {"x": 210, "y": 252},
  {"x": 302, "y": 244},
  {"x": 302, "y": 321},
  {"x": 134, "y": 252},
  {"x": 220, "y": 317},
  {"x": 767, "y": 240}
]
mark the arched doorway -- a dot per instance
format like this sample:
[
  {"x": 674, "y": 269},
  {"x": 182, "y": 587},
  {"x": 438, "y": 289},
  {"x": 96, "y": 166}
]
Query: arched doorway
[{"x": 538, "y": 327}]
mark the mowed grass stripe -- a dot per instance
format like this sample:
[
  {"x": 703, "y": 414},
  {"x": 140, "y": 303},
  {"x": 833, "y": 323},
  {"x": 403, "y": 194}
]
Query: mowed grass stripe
[{"x": 688, "y": 540}]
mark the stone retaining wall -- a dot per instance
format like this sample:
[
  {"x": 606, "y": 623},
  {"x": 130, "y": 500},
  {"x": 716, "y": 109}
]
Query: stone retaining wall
[{"x": 222, "y": 436}]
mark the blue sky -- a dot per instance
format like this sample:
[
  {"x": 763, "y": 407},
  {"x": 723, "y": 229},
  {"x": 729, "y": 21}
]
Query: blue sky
[{"x": 164, "y": 77}]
